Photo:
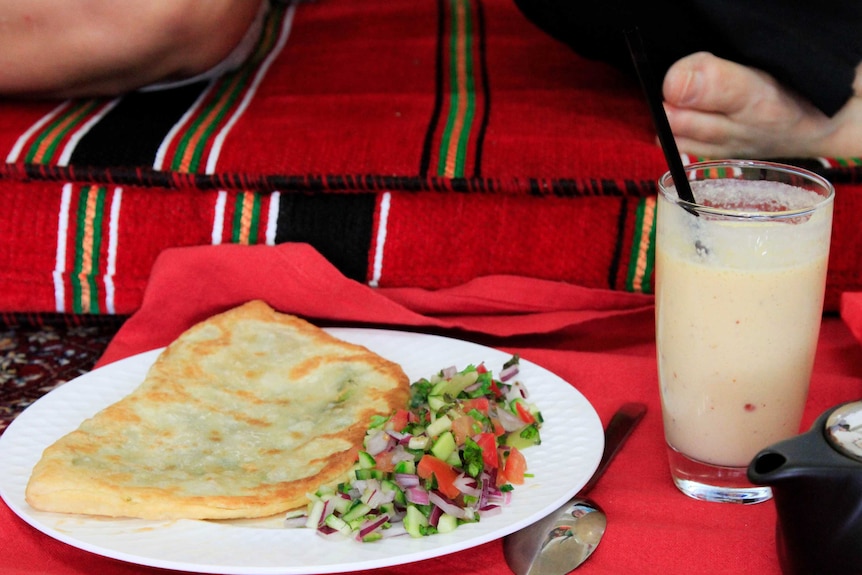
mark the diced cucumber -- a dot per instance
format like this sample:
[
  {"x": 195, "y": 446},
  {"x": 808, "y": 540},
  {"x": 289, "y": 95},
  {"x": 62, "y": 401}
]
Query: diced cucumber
[
  {"x": 414, "y": 521},
  {"x": 366, "y": 460},
  {"x": 444, "y": 446},
  {"x": 455, "y": 385},
  {"x": 447, "y": 523},
  {"x": 338, "y": 524},
  {"x": 524, "y": 437},
  {"x": 405, "y": 466},
  {"x": 454, "y": 459},
  {"x": 341, "y": 504},
  {"x": 315, "y": 514},
  {"x": 438, "y": 426},
  {"x": 324, "y": 490},
  {"x": 373, "y": 536},
  {"x": 436, "y": 402},
  {"x": 369, "y": 474},
  {"x": 418, "y": 442},
  {"x": 357, "y": 511}
]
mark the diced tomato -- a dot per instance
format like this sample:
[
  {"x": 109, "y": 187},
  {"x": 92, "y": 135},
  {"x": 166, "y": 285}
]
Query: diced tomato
[
  {"x": 498, "y": 427},
  {"x": 496, "y": 388},
  {"x": 463, "y": 427},
  {"x": 480, "y": 404},
  {"x": 513, "y": 467},
  {"x": 383, "y": 461},
  {"x": 524, "y": 413},
  {"x": 399, "y": 419},
  {"x": 488, "y": 443},
  {"x": 445, "y": 474},
  {"x": 481, "y": 368}
]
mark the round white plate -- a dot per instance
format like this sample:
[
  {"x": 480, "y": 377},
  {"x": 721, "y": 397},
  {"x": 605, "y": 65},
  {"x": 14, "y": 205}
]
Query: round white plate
[{"x": 572, "y": 444}]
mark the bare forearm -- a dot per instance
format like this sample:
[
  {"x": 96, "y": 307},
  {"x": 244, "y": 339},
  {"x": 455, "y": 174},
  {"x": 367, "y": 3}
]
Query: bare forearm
[{"x": 91, "y": 47}]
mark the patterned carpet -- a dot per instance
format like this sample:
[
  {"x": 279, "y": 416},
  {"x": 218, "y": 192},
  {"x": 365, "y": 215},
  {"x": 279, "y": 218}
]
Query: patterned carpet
[{"x": 39, "y": 354}]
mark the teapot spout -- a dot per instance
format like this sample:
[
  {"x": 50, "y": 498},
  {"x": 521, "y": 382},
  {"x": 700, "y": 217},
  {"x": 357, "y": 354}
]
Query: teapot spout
[{"x": 792, "y": 459}]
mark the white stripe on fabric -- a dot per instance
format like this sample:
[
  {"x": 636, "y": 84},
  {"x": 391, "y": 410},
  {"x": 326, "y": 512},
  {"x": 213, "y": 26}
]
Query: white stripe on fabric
[
  {"x": 60, "y": 258},
  {"x": 218, "y": 219},
  {"x": 272, "y": 218},
  {"x": 113, "y": 240},
  {"x": 158, "y": 163},
  {"x": 382, "y": 221},
  {"x": 15, "y": 152},
  {"x": 218, "y": 141},
  {"x": 66, "y": 155}
]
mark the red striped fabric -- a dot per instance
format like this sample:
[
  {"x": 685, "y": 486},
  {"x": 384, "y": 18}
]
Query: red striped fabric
[{"x": 420, "y": 143}]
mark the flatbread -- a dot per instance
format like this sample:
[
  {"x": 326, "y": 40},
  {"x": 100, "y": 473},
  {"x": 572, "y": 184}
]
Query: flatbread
[{"x": 238, "y": 418}]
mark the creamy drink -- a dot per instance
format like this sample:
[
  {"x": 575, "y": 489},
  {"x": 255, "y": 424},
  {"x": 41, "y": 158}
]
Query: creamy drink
[{"x": 738, "y": 305}]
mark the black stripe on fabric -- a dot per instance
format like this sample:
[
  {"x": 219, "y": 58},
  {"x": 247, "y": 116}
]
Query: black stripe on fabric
[
  {"x": 339, "y": 226},
  {"x": 614, "y": 268},
  {"x": 130, "y": 134},
  {"x": 486, "y": 89},
  {"x": 425, "y": 161}
]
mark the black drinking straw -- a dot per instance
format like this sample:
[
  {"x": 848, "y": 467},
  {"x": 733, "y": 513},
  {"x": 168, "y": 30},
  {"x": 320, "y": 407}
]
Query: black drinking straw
[{"x": 659, "y": 118}]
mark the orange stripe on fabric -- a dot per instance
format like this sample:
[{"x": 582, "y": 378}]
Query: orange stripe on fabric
[
  {"x": 643, "y": 247},
  {"x": 245, "y": 219},
  {"x": 87, "y": 243},
  {"x": 48, "y": 138},
  {"x": 206, "y": 122},
  {"x": 461, "y": 103}
]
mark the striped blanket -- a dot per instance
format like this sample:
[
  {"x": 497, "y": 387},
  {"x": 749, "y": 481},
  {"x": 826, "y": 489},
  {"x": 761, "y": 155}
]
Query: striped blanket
[{"x": 420, "y": 143}]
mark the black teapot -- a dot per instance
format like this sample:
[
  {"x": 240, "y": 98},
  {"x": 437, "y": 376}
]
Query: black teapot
[{"x": 816, "y": 481}]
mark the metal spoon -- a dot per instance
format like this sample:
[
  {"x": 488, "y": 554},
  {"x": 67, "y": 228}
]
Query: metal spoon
[{"x": 567, "y": 537}]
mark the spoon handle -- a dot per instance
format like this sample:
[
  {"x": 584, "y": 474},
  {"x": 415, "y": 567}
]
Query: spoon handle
[{"x": 619, "y": 428}]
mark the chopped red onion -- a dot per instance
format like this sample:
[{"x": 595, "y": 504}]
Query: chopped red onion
[
  {"x": 446, "y": 505},
  {"x": 467, "y": 485},
  {"x": 417, "y": 495},
  {"x": 407, "y": 480},
  {"x": 370, "y": 525},
  {"x": 377, "y": 442},
  {"x": 508, "y": 373}
]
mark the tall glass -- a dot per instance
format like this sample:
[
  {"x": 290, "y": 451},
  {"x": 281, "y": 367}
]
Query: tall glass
[{"x": 740, "y": 278}]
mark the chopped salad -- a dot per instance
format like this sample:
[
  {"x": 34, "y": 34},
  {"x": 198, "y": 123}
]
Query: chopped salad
[{"x": 451, "y": 458}]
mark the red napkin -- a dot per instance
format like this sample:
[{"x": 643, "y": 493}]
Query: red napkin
[
  {"x": 602, "y": 342},
  {"x": 190, "y": 284},
  {"x": 851, "y": 312}
]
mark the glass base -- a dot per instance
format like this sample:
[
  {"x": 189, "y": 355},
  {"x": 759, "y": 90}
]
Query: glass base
[{"x": 716, "y": 483}]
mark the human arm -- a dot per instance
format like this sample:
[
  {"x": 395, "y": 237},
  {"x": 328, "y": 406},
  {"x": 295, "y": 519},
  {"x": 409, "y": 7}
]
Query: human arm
[{"x": 107, "y": 47}]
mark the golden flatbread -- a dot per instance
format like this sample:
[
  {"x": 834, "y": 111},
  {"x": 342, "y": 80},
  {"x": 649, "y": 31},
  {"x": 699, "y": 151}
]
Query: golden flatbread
[{"x": 239, "y": 417}]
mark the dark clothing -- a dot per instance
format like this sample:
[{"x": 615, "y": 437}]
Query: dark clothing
[{"x": 811, "y": 47}]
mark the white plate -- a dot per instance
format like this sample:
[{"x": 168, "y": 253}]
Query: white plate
[{"x": 572, "y": 443}]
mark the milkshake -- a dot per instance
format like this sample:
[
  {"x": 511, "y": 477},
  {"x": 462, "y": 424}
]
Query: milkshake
[{"x": 740, "y": 277}]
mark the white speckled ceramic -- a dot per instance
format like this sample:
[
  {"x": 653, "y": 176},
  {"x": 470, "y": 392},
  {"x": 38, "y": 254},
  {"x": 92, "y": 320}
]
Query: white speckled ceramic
[{"x": 572, "y": 443}]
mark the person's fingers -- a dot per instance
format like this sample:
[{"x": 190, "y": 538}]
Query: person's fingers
[
  {"x": 707, "y": 83},
  {"x": 717, "y": 135}
]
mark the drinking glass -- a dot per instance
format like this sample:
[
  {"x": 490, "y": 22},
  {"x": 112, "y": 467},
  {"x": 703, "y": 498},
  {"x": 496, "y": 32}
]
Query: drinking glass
[{"x": 740, "y": 278}]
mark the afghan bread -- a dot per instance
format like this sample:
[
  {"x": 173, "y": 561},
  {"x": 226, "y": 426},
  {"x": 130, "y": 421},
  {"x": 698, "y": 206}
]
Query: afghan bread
[{"x": 239, "y": 417}]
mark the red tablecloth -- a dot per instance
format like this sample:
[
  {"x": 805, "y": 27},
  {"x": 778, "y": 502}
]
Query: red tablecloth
[{"x": 602, "y": 342}]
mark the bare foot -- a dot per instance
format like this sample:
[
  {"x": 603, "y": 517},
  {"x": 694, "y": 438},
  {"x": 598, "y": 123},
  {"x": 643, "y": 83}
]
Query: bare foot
[{"x": 721, "y": 109}]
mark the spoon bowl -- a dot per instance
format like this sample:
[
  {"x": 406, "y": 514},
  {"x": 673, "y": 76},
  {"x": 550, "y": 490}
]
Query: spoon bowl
[{"x": 567, "y": 537}]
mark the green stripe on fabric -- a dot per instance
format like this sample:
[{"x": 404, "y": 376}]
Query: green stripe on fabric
[
  {"x": 44, "y": 146},
  {"x": 636, "y": 273},
  {"x": 238, "y": 215},
  {"x": 453, "y": 128},
  {"x": 88, "y": 243},
  {"x": 646, "y": 286},
  {"x": 201, "y": 129},
  {"x": 230, "y": 87}
]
